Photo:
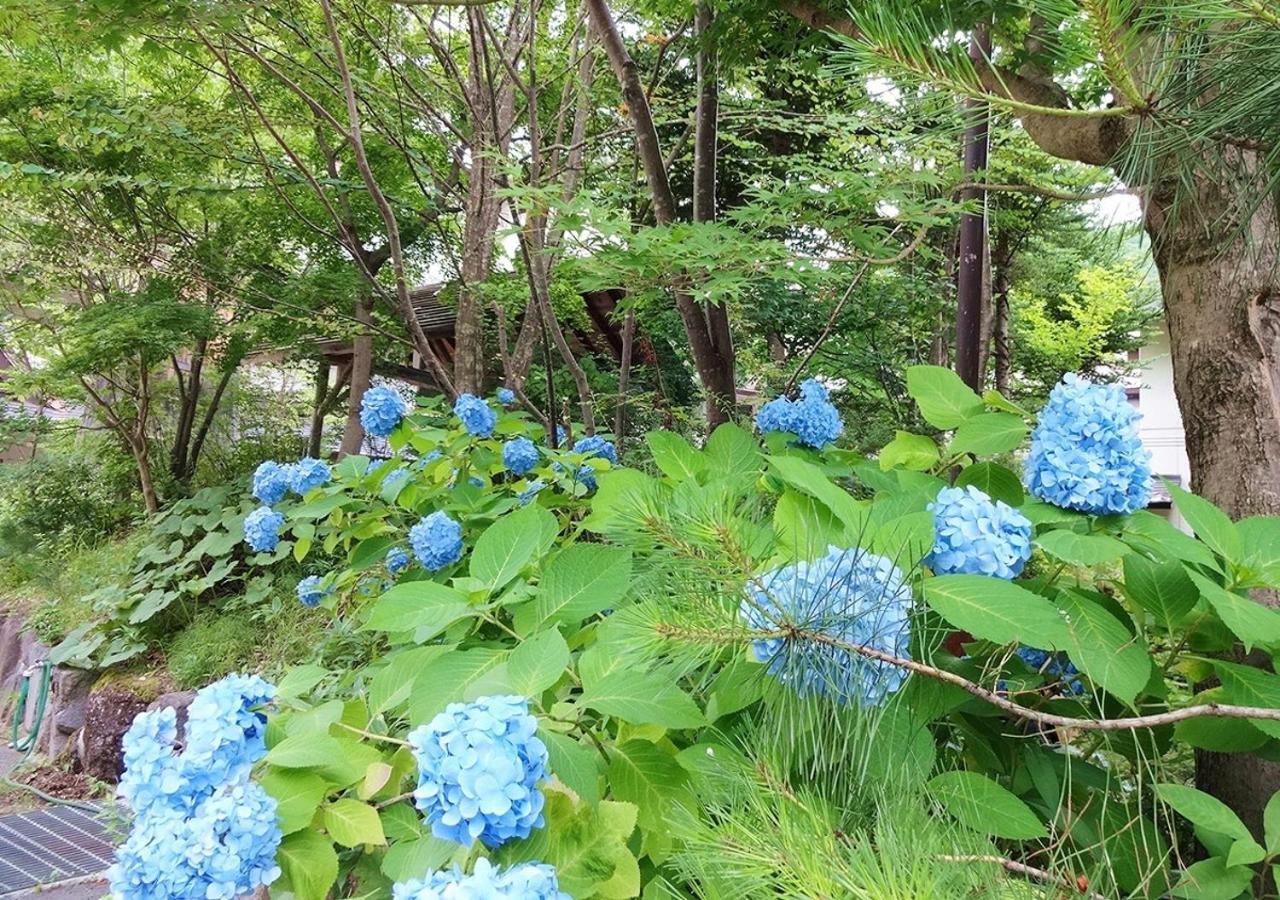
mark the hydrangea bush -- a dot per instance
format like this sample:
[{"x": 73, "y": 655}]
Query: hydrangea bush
[{"x": 586, "y": 671}]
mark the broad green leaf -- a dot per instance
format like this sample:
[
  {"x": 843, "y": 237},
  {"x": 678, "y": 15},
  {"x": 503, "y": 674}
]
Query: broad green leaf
[
  {"x": 1161, "y": 588},
  {"x": 1103, "y": 648},
  {"x": 997, "y": 400},
  {"x": 1161, "y": 539},
  {"x": 945, "y": 401},
  {"x": 1210, "y": 524},
  {"x": 376, "y": 777},
  {"x": 981, "y": 804},
  {"x": 642, "y": 698},
  {"x": 308, "y": 864},
  {"x": 370, "y": 551},
  {"x": 1248, "y": 686},
  {"x": 1248, "y": 620},
  {"x": 1086, "y": 550},
  {"x": 425, "y": 608},
  {"x": 573, "y": 763},
  {"x": 1271, "y": 823},
  {"x": 675, "y": 456},
  {"x": 508, "y": 545},
  {"x": 352, "y": 823},
  {"x": 732, "y": 453},
  {"x": 809, "y": 479},
  {"x": 804, "y": 527},
  {"x": 995, "y": 481},
  {"x": 391, "y": 684},
  {"x": 586, "y": 844},
  {"x": 1220, "y": 735},
  {"x": 996, "y": 610},
  {"x": 450, "y": 679},
  {"x": 537, "y": 662},
  {"x": 643, "y": 773},
  {"x": 302, "y": 751},
  {"x": 1261, "y": 538},
  {"x": 415, "y": 858},
  {"x": 582, "y": 580},
  {"x": 988, "y": 434},
  {"x": 1212, "y": 879},
  {"x": 297, "y": 794},
  {"x": 1201, "y": 809},
  {"x": 299, "y": 681},
  {"x": 1245, "y": 853},
  {"x": 910, "y": 451}
]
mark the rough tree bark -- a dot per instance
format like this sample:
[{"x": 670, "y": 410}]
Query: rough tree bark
[{"x": 970, "y": 267}]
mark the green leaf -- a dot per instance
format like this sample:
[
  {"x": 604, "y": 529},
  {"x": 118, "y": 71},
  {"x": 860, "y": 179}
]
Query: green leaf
[
  {"x": 304, "y": 751},
  {"x": 643, "y": 773},
  {"x": 989, "y": 434},
  {"x": 1086, "y": 550},
  {"x": 997, "y": 400},
  {"x": 370, "y": 551},
  {"x": 1161, "y": 588},
  {"x": 981, "y": 804},
  {"x": 996, "y": 610},
  {"x": 451, "y": 678},
  {"x": 352, "y": 823},
  {"x": 586, "y": 845},
  {"x": 732, "y": 453},
  {"x": 425, "y": 608},
  {"x": 391, "y": 684},
  {"x": 582, "y": 580},
  {"x": 1161, "y": 539},
  {"x": 1261, "y": 538},
  {"x": 910, "y": 451},
  {"x": 1248, "y": 620},
  {"x": 1104, "y": 649},
  {"x": 1249, "y": 686},
  {"x": 308, "y": 864},
  {"x": 675, "y": 456},
  {"x": 508, "y": 545},
  {"x": 299, "y": 681},
  {"x": 411, "y": 859},
  {"x": 804, "y": 527},
  {"x": 1202, "y": 810},
  {"x": 573, "y": 763},
  {"x": 297, "y": 794},
  {"x": 642, "y": 698},
  {"x": 1210, "y": 524},
  {"x": 945, "y": 401},
  {"x": 1271, "y": 823},
  {"x": 537, "y": 663},
  {"x": 1245, "y": 853},
  {"x": 1212, "y": 879},
  {"x": 995, "y": 481},
  {"x": 809, "y": 479}
]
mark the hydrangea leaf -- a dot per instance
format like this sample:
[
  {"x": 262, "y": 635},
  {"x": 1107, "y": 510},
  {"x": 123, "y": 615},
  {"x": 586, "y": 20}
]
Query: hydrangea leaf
[
  {"x": 981, "y": 804},
  {"x": 509, "y": 544},
  {"x": 995, "y": 481},
  {"x": 425, "y": 608},
  {"x": 1271, "y": 824},
  {"x": 642, "y": 697},
  {"x": 1203, "y": 810},
  {"x": 1161, "y": 587},
  {"x": 537, "y": 662},
  {"x": 303, "y": 751},
  {"x": 676, "y": 457},
  {"x": 945, "y": 401},
  {"x": 370, "y": 552},
  {"x": 391, "y": 685},
  {"x": 1104, "y": 649},
  {"x": 910, "y": 451},
  {"x": 1148, "y": 531},
  {"x": 414, "y": 858},
  {"x": 574, "y": 764},
  {"x": 581, "y": 581},
  {"x": 298, "y": 795},
  {"x": 643, "y": 773},
  {"x": 809, "y": 479},
  {"x": 352, "y": 823},
  {"x": 988, "y": 434},
  {"x": 1077, "y": 549},
  {"x": 1220, "y": 735},
  {"x": 732, "y": 452},
  {"x": 1261, "y": 538},
  {"x": 1210, "y": 524},
  {"x": 450, "y": 678},
  {"x": 1249, "y": 686},
  {"x": 309, "y": 865},
  {"x": 995, "y": 610},
  {"x": 1248, "y": 620}
]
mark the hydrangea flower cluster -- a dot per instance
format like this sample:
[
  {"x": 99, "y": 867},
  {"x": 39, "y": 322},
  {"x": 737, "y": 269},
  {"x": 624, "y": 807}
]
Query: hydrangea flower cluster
[
  {"x": 811, "y": 418},
  {"x": 397, "y": 560},
  {"x": 1054, "y": 665},
  {"x": 1085, "y": 451},
  {"x": 596, "y": 447},
  {"x": 519, "y": 455},
  {"x": 848, "y": 594},
  {"x": 201, "y": 827},
  {"x": 262, "y": 529},
  {"x": 974, "y": 535},
  {"x": 381, "y": 410},
  {"x": 506, "y": 396},
  {"x": 307, "y": 474},
  {"x": 311, "y": 590},
  {"x": 270, "y": 481},
  {"x": 525, "y": 881},
  {"x": 477, "y": 416},
  {"x": 436, "y": 541},
  {"x": 479, "y": 765}
]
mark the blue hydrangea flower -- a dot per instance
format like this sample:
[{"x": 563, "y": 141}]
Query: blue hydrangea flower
[
  {"x": 381, "y": 410},
  {"x": 596, "y": 447},
  {"x": 436, "y": 541},
  {"x": 561, "y": 436},
  {"x": 811, "y": 418},
  {"x": 974, "y": 535},
  {"x": 397, "y": 560},
  {"x": 308, "y": 473},
  {"x": 584, "y": 475},
  {"x": 477, "y": 416},
  {"x": 506, "y": 396},
  {"x": 151, "y": 775},
  {"x": 226, "y": 732},
  {"x": 524, "y": 881},
  {"x": 1085, "y": 451},
  {"x": 848, "y": 594},
  {"x": 1053, "y": 665},
  {"x": 519, "y": 455},
  {"x": 311, "y": 590},
  {"x": 270, "y": 481},
  {"x": 262, "y": 529},
  {"x": 531, "y": 490},
  {"x": 479, "y": 765}
]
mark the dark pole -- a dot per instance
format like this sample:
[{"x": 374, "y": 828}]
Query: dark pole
[{"x": 969, "y": 269}]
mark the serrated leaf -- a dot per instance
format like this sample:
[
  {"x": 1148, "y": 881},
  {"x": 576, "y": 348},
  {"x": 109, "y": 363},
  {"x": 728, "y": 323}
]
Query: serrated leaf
[
  {"x": 1086, "y": 550},
  {"x": 424, "y": 608},
  {"x": 309, "y": 865},
  {"x": 582, "y": 580},
  {"x": 988, "y": 434},
  {"x": 573, "y": 763},
  {"x": 1102, "y": 648},
  {"x": 809, "y": 479},
  {"x": 1210, "y": 524},
  {"x": 1212, "y": 879},
  {"x": 995, "y": 481},
  {"x": 1161, "y": 588},
  {"x": 1248, "y": 620},
  {"x": 981, "y": 804},
  {"x": 508, "y": 545},
  {"x": 945, "y": 401},
  {"x": 996, "y": 610},
  {"x": 675, "y": 456},
  {"x": 731, "y": 452},
  {"x": 353, "y": 824},
  {"x": 1203, "y": 810},
  {"x": 642, "y": 698},
  {"x": 1247, "y": 686},
  {"x": 298, "y": 795},
  {"x": 910, "y": 451},
  {"x": 537, "y": 662},
  {"x": 642, "y": 773},
  {"x": 451, "y": 678}
]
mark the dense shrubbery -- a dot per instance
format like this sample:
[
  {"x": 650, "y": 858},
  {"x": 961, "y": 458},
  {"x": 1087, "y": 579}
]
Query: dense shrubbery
[{"x": 744, "y": 674}]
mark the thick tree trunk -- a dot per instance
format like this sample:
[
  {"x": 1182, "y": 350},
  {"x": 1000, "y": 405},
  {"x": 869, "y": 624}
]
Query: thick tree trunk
[
  {"x": 1222, "y": 307},
  {"x": 970, "y": 267},
  {"x": 138, "y": 446},
  {"x": 361, "y": 372},
  {"x": 210, "y": 412}
]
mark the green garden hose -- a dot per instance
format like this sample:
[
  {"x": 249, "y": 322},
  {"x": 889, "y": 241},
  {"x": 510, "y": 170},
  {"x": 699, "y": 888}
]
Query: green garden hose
[{"x": 27, "y": 743}]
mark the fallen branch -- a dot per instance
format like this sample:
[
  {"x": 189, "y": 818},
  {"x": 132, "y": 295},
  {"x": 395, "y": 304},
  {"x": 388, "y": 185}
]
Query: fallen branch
[{"x": 1017, "y": 868}]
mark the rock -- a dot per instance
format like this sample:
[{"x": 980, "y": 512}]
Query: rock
[{"x": 108, "y": 715}]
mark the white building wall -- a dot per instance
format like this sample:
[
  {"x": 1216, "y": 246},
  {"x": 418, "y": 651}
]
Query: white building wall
[{"x": 1161, "y": 423}]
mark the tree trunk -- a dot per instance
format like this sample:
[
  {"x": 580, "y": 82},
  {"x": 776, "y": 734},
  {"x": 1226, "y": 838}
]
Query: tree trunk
[
  {"x": 1000, "y": 330},
  {"x": 138, "y": 447},
  {"x": 197, "y": 445},
  {"x": 969, "y": 263},
  {"x": 179, "y": 465},
  {"x": 1222, "y": 307},
  {"x": 316, "y": 434},
  {"x": 361, "y": 371}
]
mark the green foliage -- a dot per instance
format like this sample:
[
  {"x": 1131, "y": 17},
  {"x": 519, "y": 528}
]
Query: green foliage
[{"x": 210, "y": 647}]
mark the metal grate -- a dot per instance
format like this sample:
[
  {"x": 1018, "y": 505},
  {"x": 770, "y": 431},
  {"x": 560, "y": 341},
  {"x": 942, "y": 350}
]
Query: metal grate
[{"x": 50, "y": 845}]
